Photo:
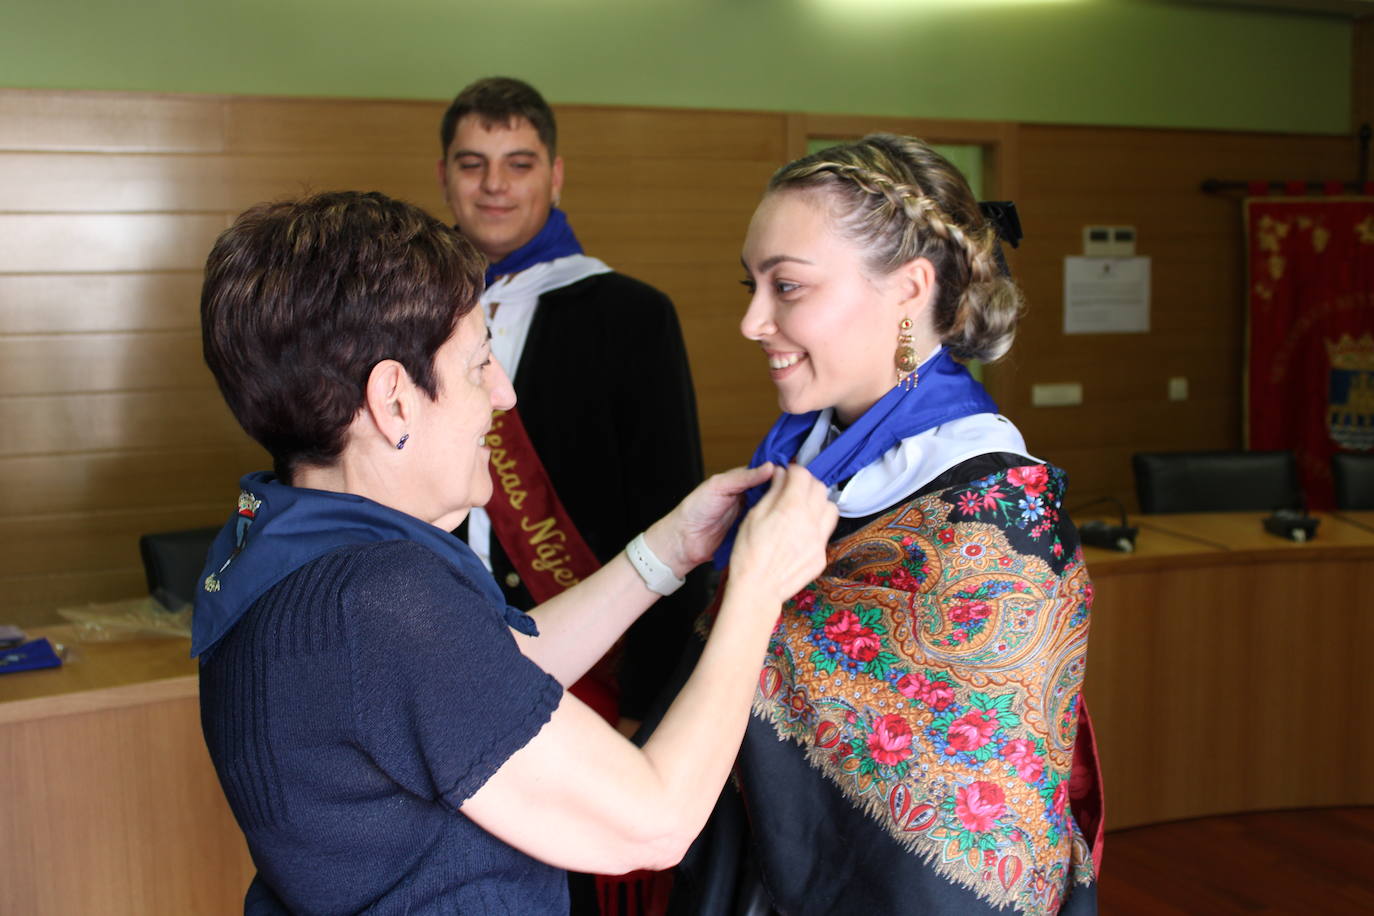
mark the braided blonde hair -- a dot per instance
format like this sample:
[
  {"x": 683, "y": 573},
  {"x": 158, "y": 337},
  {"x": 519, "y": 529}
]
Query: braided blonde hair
[{"x": 900, "y": 200}]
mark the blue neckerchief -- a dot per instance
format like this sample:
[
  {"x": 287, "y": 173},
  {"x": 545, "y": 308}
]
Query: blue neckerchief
[
  {"x": 277, "y": 529},
  {"x": 554, "y": 240},
  {"x": 945, "y": 392}
]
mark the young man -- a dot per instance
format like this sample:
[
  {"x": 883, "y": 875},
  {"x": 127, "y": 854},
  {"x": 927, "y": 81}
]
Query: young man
[{"x": 600, "y": 373}]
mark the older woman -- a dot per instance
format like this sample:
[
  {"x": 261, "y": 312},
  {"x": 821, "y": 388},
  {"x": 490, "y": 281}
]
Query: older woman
[
  {"x": 390, "y": 735},
  {"x": 913, "y": 736}
]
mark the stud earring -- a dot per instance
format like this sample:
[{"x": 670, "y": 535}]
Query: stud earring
[
  {"x": 905, "y": 358},
  {"x": 402, "y": 444}
]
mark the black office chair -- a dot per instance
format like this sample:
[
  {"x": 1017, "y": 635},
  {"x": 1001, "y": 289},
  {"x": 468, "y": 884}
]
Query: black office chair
[
  {"x": 172, "y": 561},
  {"x": 1353, "y": 475},
  {"x": 1221, "y": 481}
]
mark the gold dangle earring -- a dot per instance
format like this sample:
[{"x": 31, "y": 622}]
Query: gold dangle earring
[{"x": 905, "y": 358}]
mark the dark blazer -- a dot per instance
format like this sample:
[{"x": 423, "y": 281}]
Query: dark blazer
[{"x": 604, "y": 390}]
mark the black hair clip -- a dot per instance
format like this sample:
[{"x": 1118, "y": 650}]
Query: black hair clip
[{"x": 1001, "y": 214}]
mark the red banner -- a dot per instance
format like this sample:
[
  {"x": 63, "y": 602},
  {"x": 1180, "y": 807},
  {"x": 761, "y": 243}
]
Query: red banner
[{"x": 1310, "y": 365}]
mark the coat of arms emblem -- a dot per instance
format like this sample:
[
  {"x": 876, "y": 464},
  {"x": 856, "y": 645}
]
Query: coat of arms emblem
[{"x": 1350, "y": 399}]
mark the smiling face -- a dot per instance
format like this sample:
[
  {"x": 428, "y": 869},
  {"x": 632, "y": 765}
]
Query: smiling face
[
  {"x": 827, "y": 327},
  {"x": 449, "y": 438},
  {"x": 499, "y": 182}
]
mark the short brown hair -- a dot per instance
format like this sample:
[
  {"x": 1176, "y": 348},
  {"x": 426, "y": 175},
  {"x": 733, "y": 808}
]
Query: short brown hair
[
  {"x": 497, "y": 101},
  {"x": 302, "y": 298}
]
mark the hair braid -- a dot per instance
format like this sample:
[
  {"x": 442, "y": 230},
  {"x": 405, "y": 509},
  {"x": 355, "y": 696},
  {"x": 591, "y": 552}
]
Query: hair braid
[{"x": 901, "y": 200}]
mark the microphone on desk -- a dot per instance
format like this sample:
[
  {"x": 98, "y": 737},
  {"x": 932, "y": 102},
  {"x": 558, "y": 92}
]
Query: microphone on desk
[
  {"x": 1097, "y": 533},
  {"x": 1293, "y": 524}
]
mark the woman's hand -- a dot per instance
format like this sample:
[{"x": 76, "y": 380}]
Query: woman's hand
[
  {"x": 781, "y": 544},
  {"x": 689, "y": 535}
]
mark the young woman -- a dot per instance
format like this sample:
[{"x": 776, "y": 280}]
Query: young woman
[{"x": 913, "y": 737}]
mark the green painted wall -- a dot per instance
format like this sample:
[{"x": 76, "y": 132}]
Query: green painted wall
[{"x": 1127, "y": 62}]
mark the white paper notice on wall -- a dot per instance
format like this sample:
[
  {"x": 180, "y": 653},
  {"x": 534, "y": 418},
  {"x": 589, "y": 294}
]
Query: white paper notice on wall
[{"x": 1106, "y": 295}]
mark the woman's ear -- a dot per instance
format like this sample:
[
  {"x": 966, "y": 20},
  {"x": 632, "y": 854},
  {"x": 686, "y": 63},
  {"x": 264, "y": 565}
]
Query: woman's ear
[
  {"x": 916, "y": 279},
  {"x": 389, "y": 401}
]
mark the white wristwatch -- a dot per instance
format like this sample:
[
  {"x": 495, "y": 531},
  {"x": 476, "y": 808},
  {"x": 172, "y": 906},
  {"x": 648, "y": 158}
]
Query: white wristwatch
[{"x": 656, "y": 574}]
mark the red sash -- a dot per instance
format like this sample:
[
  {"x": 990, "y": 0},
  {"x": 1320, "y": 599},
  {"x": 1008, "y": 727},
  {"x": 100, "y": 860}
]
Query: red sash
[{"x": 539, "y": 536}]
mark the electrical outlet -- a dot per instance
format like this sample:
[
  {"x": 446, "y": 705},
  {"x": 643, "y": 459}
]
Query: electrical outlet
[
  {"x": 1178, "y": 388},
  {"x": 1058, "y": 394}
]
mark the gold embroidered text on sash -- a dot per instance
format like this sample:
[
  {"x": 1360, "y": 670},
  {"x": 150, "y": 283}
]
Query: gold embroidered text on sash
[{"x": 540, "y": 537}]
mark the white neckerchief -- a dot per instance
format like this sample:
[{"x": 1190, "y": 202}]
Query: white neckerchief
[
  {"x": 509, "y": 306},
  {"x": 913, "y": 462}
]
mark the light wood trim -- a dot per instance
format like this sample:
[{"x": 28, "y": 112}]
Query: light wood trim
[
  {"x": 1188, "y": 540},
  {"x": 99, "y": 675},
  {"x": 110, "y": 698},
  {"x": 1243, "y": 534}
]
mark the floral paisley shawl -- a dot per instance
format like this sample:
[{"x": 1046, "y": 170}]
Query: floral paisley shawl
[{"x": 933, "y": 674}]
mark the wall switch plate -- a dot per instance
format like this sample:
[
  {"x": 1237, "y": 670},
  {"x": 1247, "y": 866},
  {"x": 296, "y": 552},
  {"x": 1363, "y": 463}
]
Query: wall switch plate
[
  {"x": 1097, "y": 241},
  {"x": 1178, "y": 388},
  {"x": 1057, "y": 394},
  {"x": 1109, "y": 241}
]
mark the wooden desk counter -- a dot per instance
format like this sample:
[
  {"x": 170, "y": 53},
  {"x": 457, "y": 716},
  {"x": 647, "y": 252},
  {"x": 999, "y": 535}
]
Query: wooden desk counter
[
  {"x": 110, "y": 803},
  {"x": 1228, "y": 668}
]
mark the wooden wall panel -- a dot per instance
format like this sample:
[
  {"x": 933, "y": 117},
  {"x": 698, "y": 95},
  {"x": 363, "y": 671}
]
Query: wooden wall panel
[
  {"x": 80, "y": 242},
  {"x": 1073, "y": 176},
  {"x": 109, "y": 202},
  {"x": 71, "y": 363},
  {"x": 121, "y": 183},
  {"x": 75, "y": 303},
  {"x": 96, "y": 541},
  {"x": 117, "y": 420},
  {"x": 626, "y": 133},
  {"x": 110, "y": 122},
  {"x": 31, "y": 600},
  {"x": 371, "y": 127},
  {"x": 88, "y": 482}
]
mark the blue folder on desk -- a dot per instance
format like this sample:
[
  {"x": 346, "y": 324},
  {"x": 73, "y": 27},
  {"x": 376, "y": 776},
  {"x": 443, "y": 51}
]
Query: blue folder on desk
[{"x": 37, "y": 653}]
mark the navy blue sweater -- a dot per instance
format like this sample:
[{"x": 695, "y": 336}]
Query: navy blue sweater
[{"x": 350, "y": 712}]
